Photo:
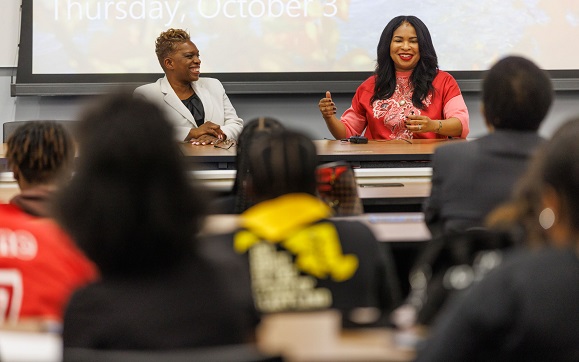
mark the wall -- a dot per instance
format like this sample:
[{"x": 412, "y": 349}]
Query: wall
[{"x": 296, "y": 111}]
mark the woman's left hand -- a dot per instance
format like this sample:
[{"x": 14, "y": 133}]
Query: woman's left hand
[
  {"x": 420, "y": 124},
  {"x": 204, "y": 140}
]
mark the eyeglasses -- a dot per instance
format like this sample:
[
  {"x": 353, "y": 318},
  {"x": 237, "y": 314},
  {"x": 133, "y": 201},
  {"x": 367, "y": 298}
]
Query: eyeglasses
[{"x": 225, "y": 145}]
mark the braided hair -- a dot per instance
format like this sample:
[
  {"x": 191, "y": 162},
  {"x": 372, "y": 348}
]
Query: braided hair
[
  {"x": 40, "y": 151},
  {"x": 251, "y": 130},
  {"x": 280, "y": 163}
]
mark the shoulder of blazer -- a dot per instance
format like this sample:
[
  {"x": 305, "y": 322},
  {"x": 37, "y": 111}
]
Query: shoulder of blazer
[
  {"x": 150, "y": 88},
  {"x": 208, "y": 83},
  {"x": 164, "y": 85}
]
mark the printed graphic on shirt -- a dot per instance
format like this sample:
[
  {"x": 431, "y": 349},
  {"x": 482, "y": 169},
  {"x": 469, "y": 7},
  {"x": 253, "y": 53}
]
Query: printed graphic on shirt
[
  {"x": 17, "y": 244},
  {"x": 277, "y": 283},
  {"x": 11, "y": 292},
  {"x": 285, "y": 278},
  {"x": 396, "y": 109}
]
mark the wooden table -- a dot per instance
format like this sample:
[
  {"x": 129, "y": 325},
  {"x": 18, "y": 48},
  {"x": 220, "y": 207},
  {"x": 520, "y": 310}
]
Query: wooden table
[
  {"x": 391, "y": 174},
  {"x": 3, "y": 160},
  {"x": 376, "y": 153},
  {"x": 318, "y": 337},
  {"x": 387, "y": 227}
]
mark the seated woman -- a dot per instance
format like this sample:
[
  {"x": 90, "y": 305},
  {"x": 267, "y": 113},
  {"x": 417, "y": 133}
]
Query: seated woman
[
  {"x": 300, "y": 259},
  {"x": 407, "y": 96},
  {"x": 198, "y": 108},
  {"x": 132, "y": 209}
]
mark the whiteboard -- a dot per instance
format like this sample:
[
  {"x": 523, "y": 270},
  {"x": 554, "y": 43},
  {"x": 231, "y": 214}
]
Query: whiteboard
[{"x": 10, "y": 20}]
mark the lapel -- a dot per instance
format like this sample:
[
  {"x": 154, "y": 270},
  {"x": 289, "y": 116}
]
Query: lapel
[
  {"x": 203, "y": 94},
  {"x": 170, "y": 97}
]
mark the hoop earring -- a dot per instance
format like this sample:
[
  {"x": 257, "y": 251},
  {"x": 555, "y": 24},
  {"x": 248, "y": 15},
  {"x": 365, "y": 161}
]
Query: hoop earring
[{"x": 547, "y": 218}]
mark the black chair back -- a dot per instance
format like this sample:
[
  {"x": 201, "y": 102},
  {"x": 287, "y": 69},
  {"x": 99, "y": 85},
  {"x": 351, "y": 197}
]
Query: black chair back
[
  {"x": 9, "y": 127},
  {"x": 230, "y": 353}
]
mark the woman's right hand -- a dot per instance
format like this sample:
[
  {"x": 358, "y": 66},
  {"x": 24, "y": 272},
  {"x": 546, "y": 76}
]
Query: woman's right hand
[
  {"x": 208, "y": 128},
  {"x": 327, "y": 106}
]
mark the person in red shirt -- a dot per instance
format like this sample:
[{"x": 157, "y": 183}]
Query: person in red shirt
[
  {"x": 40, "y": 266},
  {"x": 407, "y": 96}
]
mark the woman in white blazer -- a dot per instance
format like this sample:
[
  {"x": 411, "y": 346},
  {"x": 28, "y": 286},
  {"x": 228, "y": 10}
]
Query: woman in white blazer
[{"x": 198, "y": 107}]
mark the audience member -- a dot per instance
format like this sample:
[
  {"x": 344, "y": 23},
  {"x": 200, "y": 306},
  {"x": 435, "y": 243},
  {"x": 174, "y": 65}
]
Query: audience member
[
  {"x": 471, "y": 178},
  {"x": 240, "y": 200},
  {"x": 133, "y": 210},
  {"x": 517, "y": 218},
  {"x": 38, "y": 153},
  {"x": 407, "y": 97},
  {"x": 526, "y": 309},
  {"x": 198, "y": 107},
  {"x": 39, "y": 265},
  {"x": 300, "y": 260}
]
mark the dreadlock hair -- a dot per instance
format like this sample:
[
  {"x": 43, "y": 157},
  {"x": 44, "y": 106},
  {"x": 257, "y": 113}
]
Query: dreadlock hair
[
  {"x": 168, "y": 41},
  {"x": 280, "y": 163},
  {"x": 40, "y": 150},
  {"x": 424, "y": 73},
  {"x": 251, "y": 130}
]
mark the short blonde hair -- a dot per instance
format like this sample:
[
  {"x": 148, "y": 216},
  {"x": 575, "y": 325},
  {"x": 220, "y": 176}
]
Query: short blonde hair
[{"x": 167, "y": 42}]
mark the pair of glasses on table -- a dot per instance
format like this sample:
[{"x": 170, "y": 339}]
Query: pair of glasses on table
[{"x": 225, "y": 145}]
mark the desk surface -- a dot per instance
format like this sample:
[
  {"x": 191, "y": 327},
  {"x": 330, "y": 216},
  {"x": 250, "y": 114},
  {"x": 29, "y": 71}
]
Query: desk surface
[
  {"x": 318, "y": 337},
  {"x": 375, "y": 189},
  {"x": 376, "y": 153},
  {"x": 328, "y": 151},
  {"x": 387, "y": 227},
  {"x": 287, "y": 336},
  {"x": 335, "y": 150}
]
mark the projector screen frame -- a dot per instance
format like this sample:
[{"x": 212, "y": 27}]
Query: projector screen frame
[{"x": 28, "y": 84}]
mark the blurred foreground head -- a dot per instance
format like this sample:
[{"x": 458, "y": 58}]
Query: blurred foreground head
[
  {"x": 130, "y": 206},
  {"x": 560, "y": 183},
  {"x": 517, "y": 94}
]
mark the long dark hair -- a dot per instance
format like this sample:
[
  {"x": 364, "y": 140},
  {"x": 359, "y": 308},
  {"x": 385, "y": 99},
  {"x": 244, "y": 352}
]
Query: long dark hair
[
  {"x": 130, "y": 206},
  {"x": 424, "y": 73}
]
